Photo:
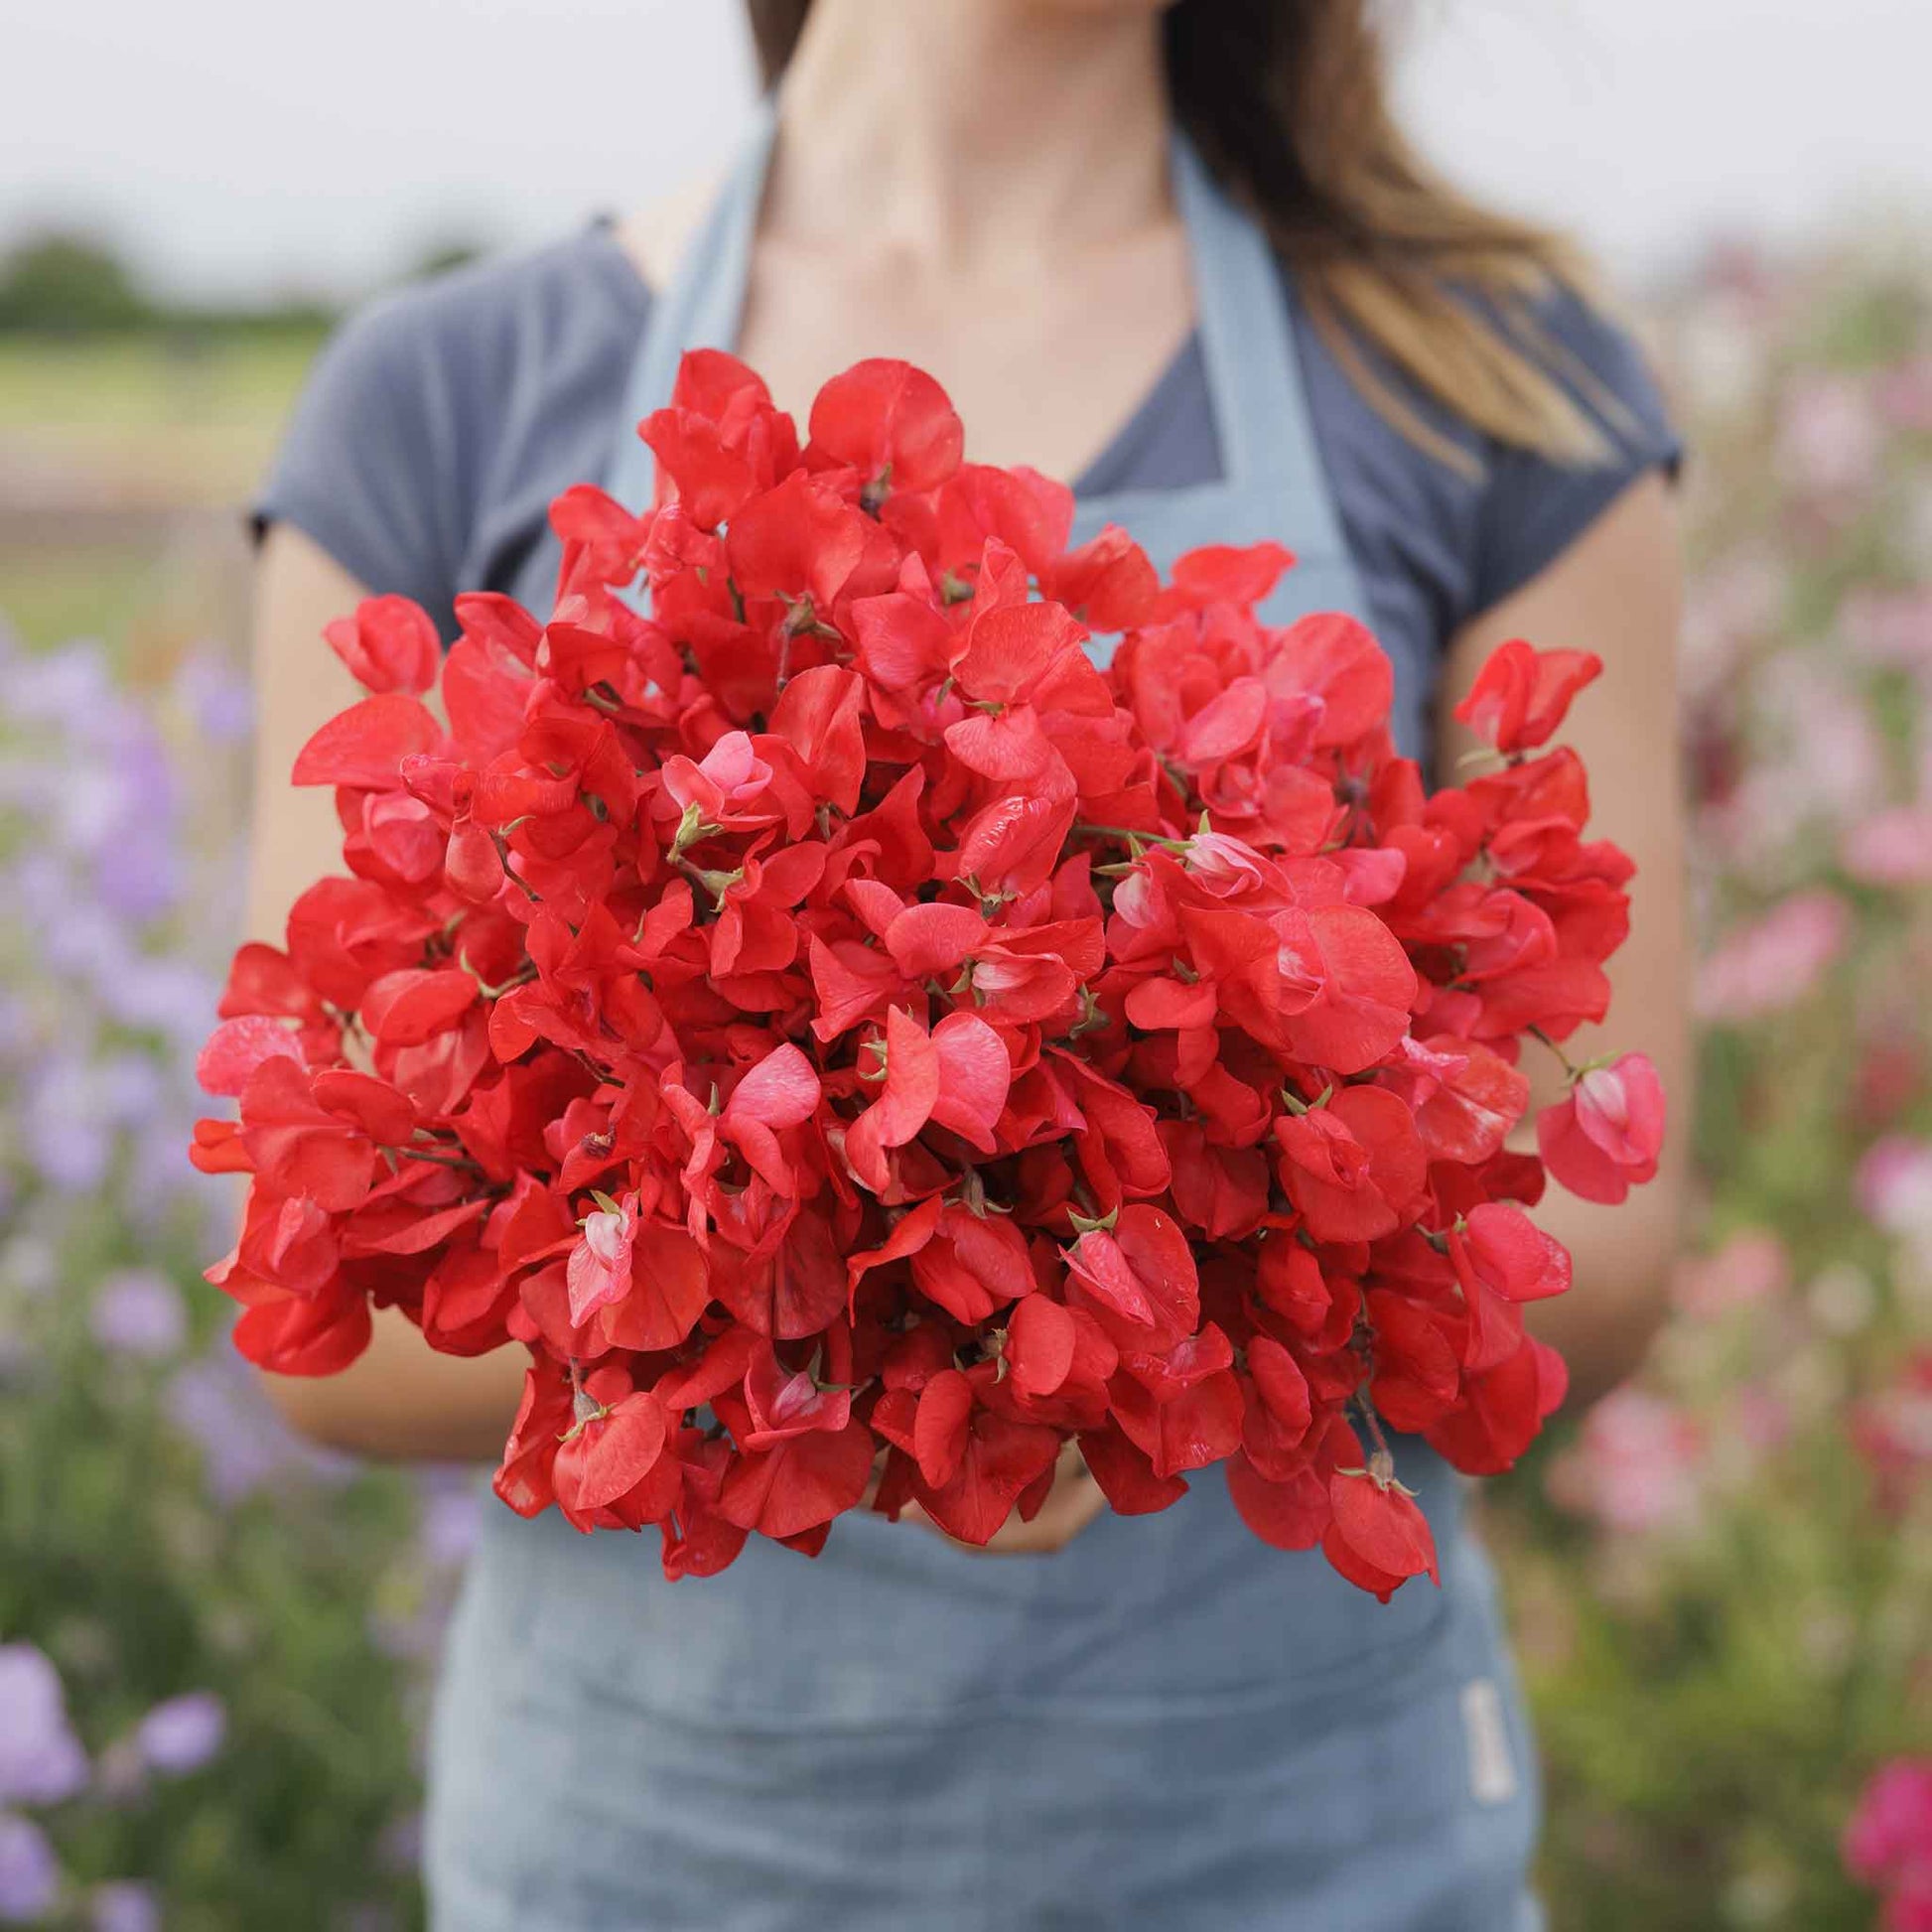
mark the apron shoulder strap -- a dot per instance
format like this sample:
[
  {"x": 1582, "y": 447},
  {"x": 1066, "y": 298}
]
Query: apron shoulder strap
[{"x": 1249, "y": 351}]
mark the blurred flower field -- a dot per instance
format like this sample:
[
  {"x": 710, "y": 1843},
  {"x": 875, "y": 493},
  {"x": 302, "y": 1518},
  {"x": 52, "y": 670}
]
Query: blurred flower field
[
  {"x": 1723, "y": 1581},
  {"x": 214, "y": 1644}
]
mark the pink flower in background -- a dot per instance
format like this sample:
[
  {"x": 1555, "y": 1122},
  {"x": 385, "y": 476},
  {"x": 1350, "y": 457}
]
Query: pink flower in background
[
  {"x": 1773, "y": 962},
  {"x": 1829, "y": 437},
  {"x": 1887, "y": 1843},
  {"x": 1894, "y": 1185},
  {"x": 1753, "y": 1266},
  {"x": 1729, "y": 611},
  {"x": 1892, "y": 1068},
  {"x": 1636, "y": 1466},
  {"x": 1889, "y": 627},
  {"x": 1763, "y": 1420},
  {"x": 1891, "y": 848},
  {"x": 1905, "y": 394},
  {"x": 1837, "y": 764},
  {"x": 1893, "y": 1431}
]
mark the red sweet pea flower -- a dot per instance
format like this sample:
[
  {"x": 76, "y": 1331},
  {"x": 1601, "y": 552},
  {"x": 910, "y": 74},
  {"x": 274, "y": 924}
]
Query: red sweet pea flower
[
  {"x": 1604, "y": 1138},
  {"x": 1222, "y": 573},
  {"x": 1183, "y": 1409},
  {"x": 1378, "y": 1536},
  {"x": 1501, "y": 1411},
  {"x": 1353, "y": 1167},
  {"x": 993, "y": 1461},
  {"x": 1504, "y": 1251},
  {"x": 838, "y": 1031},
  {"x": 364, "y": 747},
  {"x": 1333, "y": 661},
  {"x": 237, "y": 1047},
  {"x": 1465, "y": 1097},
  {"x": 782, "y": 1403},
  {"x": 390, "y": 644},
  {"x": 957, "y": 1076},
  {"x": 781, "y": 1092},
  {"x": 610, "y": 1454},
  {"x": 800, "y": 540},
  {"x": 1140, "y": 1281},
  {"x": 889, "y": 422},
  {"x": 1521, "y": 695},
  {"x": 803, "y": 1481},
  {"x": 1043, "y": 1339},
  {"x": 1363, "y": 986},
  {"x": 1107, "y": 583}
]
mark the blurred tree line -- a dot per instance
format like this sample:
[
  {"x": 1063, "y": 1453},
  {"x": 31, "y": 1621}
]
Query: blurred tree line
[{"x": 67, "y": 284}]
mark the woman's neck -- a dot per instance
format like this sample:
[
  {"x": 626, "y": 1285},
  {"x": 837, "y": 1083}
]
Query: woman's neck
[{"x": 968, "y": 131}]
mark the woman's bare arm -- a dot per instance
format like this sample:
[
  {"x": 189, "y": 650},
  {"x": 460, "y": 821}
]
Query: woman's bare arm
[
  {"x": 400, "y": 1400},
  {"x": 1617, "y": 592}
]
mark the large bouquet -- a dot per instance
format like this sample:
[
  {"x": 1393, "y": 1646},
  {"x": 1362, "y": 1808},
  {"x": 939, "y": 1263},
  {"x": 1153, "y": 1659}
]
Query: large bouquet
[{"x": 859, "y": 1046}]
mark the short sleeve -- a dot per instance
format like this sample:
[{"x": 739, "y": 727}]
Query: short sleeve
[
  {"x": 1534, "y": 508},
  {"x": 371, "y": 467}
]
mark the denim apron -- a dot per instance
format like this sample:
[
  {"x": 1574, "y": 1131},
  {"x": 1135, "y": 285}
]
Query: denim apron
[{"x": 1167, "y": 1726}]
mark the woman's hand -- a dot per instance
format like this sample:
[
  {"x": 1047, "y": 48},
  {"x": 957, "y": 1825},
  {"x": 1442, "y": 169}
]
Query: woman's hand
[{"x": 1073, "y": 1502}]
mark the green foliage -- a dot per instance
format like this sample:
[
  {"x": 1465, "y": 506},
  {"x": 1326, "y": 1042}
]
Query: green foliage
[{"x": 70, "y": 285}]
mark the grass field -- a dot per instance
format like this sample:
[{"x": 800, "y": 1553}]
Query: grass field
[
  {"x": 124, "y": 470},
  {"x": 149, "y": 382}
]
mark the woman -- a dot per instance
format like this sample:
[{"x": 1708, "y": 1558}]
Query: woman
[{"x": 1182, "y": 254}]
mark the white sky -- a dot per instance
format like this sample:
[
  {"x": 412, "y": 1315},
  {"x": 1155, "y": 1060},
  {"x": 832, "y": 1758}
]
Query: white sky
[{"x": 239, "y": 147}]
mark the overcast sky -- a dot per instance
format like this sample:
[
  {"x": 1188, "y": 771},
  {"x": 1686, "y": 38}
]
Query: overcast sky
[{"x": 242, "y": 147}]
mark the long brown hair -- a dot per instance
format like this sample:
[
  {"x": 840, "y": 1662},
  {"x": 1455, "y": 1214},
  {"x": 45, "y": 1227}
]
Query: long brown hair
[{"x": 1288, "y": 102}]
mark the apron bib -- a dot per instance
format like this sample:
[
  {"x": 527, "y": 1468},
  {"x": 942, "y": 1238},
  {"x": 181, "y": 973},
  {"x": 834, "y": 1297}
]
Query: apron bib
[{"x": 1166, "y": 1725}]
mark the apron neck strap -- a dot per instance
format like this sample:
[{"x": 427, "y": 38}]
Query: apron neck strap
[{"x": 1247, "y": 341}]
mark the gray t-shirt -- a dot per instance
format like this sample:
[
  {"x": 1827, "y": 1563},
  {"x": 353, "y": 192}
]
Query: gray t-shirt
[{"x": 440, "y": 420}]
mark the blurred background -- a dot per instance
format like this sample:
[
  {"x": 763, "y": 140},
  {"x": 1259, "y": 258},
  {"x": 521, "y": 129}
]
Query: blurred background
[{"x": 215, "y": 1646}]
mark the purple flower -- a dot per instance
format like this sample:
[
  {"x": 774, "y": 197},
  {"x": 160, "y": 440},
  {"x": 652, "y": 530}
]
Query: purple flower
[
  {"x": 138, "y": 1312},
  {"x": 30, "y": 1880},
  {"x": 184, "y": 1733},
  {"x": 41, "y": 1759},
  {"x": 62, "y": 688},
  {"x": 450, "y": 1515},
  {"x": 72, "y": 1146},
  {"x": 219, "y": 697},
  {"x": 124, "y": 1906},
  {"x": 244, "y": 1443},
  {"x": 401, "y": 1844},
  {"x": 167, "y": 995},
  {"x": 239, "y": 1449}
]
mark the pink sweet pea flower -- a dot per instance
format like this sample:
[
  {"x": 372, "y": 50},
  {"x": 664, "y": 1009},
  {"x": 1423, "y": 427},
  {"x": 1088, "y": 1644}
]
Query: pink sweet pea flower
[{"x": 1604, "y": 1138}]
